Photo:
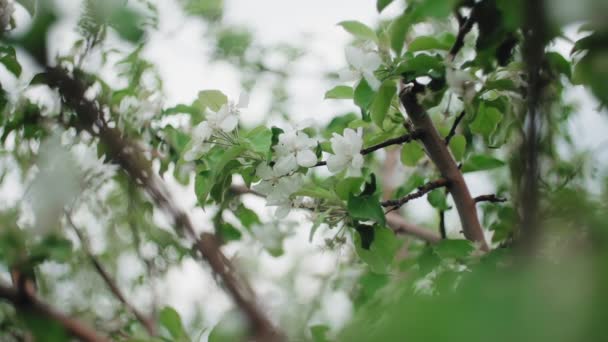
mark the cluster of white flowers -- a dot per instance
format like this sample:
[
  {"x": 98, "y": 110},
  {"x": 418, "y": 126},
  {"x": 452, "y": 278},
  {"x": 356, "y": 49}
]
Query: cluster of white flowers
[
  {"x": 277, "y": 187},
  {"x": 294, "y": 148},
  {"x": 363, "y": 64},
  {"x": 7, "y": 8},
  {"x": 225, "y": 120},
  {"x": 280, "y": 180}
]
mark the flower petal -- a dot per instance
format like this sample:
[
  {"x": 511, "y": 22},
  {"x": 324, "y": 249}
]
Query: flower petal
[
  {"x": 336, "y": 163},
  {"x": 355, "y": 57},
  {"x": 286, "y": 164},
  {"x": 306, "y": 158},
  {"x": 243, "y": 100},
  {"x": 229, "y": 123}
]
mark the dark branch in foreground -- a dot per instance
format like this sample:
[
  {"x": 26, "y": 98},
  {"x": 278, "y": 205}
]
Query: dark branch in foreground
[
  {"x": 444, "y": 161},
  {"x": 422, "y": 190},
  {"x": 489, "y": 198},
  {"x": 466, "y": 24},
  {"x": 27, "y": 303},
  {"x": 406, "y": 138},
  {"x": 452, "y": 132},
  {"x": 128, "y": 155},
  {"x": 107, "y": 278}
]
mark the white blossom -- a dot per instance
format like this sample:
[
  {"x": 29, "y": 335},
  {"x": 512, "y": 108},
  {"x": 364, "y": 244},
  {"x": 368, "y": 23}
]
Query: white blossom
[
  {"x": 277, "y": 187},
  {"x": 362, "y": 65},
  {"x": 347, "y": 152},
  {"x": 7, "y": 8},
  {"x": 460, "y": 82},
  {"x": 225, "y": 120},
  {"x": 227, "y": 117},
  {"x": 200, "y": 134},
  {"x": 294, "y": 148}
]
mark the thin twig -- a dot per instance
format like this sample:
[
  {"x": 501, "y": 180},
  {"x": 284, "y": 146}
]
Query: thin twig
[
  {"x": 107, "y": 278},
  {"x": 489, "y": 198},
  {"x": 394, "y": 221},
  {"x": 406, "y": 138},
  {"x": 465, "y": 26},
  {"x": 28, "y": 303},
  {"x": 452, "y": 132},
  {"x": 422, "y": 190}
]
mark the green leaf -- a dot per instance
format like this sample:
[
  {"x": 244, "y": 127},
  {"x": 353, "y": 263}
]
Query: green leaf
[
  {"x": 458, "y": 145},
  {"x": 442, "y": 42},
  {"x": 382, "y": 102},
  {"x": 203, "y": 182},
  {"x": 453, "y": 249},
  {"x": 247, "y": 216},
  {"x": 365, "y": 208},
  {"x": 559, "y": 63},
  {"x": 127, "y": 23},
  {"x": 481, "y": 162},
  {"x": 259, "y": 139},
  {"x": 170, "y": 320},
  {"x": 340, "y": 92},
  {"x": 416, "y": 12},
  {"x": 438, "y": 199},
  {"x": 381, "y": 253},
  {"x": 421, "y": 65},
  {"x": 347, "y": 186},
  {"x": 319, "y": 333},
  {"x": 180, "y": 109},
  {"x": 398, "y": 30},
  {"x": 212, "y": 99},
  {"x": 411, "y": 153},
  {"x": 232, "y": 327},
  {"x": 486, "y": 121},
  {"x": 382, "y": 4},
  {"x": 358, "y": 29},
  {"x": 9, "y": 59},
  {"x": 228, "y": 232},
  {"x": 363, "y": 95},
  {"x": 53, "y": 247}
]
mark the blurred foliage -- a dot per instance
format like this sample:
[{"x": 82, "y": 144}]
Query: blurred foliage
[{"x": 401, "y": 289}]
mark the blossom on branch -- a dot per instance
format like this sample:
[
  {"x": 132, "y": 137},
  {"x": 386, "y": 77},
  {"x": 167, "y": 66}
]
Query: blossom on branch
[
  {"x": 294, "y": 149},
  {"x": 277, "y": 187},
  {"x": 225, "y": 120},
  {"x": 347, "y": 152}
]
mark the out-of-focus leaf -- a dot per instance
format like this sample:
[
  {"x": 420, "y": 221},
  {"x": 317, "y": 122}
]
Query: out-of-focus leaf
[
  {"x": 9, "y": 59},
  {"x": 458, "y": 145},
  {"x": 358, "y": 29},
  {"x": 212, "y": 99},
  {"x": 365, "y": 207},
  {"x": 381, "y": 253},
  {"x": 382, "y": 102},
  {"x": 481, "y": 162},
  {"x": 340, "y": 92},
  {"x": 411, "y": 153},
  {"x": 363, "y": 95},
  {"x": 441, "y": 42},
  {"x": 486, "y": 121},
  {"x": 170, "y": 320},
  {"x": 382, "y": 4}
]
